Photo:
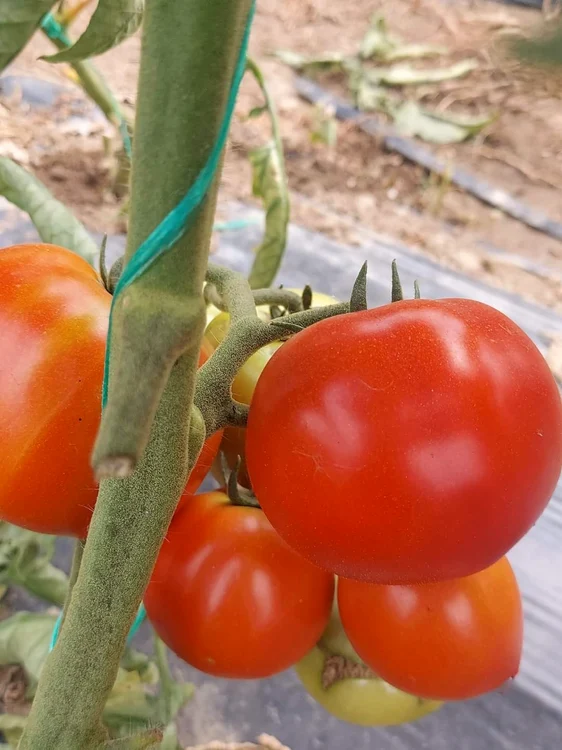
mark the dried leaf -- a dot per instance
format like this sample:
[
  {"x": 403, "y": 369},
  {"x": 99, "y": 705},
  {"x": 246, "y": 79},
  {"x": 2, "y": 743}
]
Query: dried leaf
[
  {"x": 416, "y": 51},
  {"x": 270, "y": 184},
  {"x": 25, "y": 560},
  {"x": 325, "y": 128},
  {"x": 406, "y": 75},
  {"x": 411, "y": 120},
  {"x": 113, "y": 21},
  {"x": 334, "y": 61},
  {"x": 53, "y": 220},
  {"x": 18, "y": 21},
  {"x": 379, "y": 43}
]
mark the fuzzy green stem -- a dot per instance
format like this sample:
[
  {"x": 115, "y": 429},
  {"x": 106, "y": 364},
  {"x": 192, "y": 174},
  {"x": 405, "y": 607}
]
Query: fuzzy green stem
[
  {"x": 189, "y": 51},
  {"x": 74, "y": 570},
  {"x": 291, "y": 301}
]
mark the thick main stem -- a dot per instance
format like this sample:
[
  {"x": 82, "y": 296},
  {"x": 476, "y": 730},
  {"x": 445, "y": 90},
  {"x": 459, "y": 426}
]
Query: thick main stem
[{"x": 188, "y": 56}]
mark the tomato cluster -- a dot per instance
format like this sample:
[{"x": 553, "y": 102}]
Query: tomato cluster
[
  {"x": 400, "y": 451},
  {"x": 53, "y": 326},
  {"x": 405, "y": 449}
]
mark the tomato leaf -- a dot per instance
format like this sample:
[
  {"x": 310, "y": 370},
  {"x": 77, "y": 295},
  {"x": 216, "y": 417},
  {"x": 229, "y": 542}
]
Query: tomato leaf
[
  {"x": 25, "y": 560},
  {"x": 113, "y": 21},
  {"x": 11, "y": 726},
  {"x": 270, "y": 184},
  {"x": 54, "y": 222},
  {"x": 412, "y": 120},
  {"x": 330, "y": 61},
  {"x": 379, "y": 43},
  {"x": 406, "y": 75},
  {"x": 24, "y": 639},
  {"x": 18, "y": 21}
]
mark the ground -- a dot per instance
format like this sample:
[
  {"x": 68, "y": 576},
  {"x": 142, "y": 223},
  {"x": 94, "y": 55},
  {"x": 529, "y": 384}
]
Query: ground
[{"x": 357, "y": 180}]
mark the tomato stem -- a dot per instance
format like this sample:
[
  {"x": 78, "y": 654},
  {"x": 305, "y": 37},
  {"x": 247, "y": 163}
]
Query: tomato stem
[{"x": 187, "y": 64}]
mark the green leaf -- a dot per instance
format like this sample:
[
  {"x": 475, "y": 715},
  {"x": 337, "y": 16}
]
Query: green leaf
[
  {"x": 257, "y": 112},
  {"x": 53, "y": 220},
  {"x": 24, "y": 639},
  {"x": 25, "y": 560},
  {"x": 12, "y": 726},
  {"x": 18, "y": 21},
  {"x": 112, "y": 22},
  {"x": 270, "y": 184},
  {"x": 411, "y": 120},
  {"x": 325, "y": 129},
  {"x": 377, "y": 42},
  {"x": 406, "y": 75}
]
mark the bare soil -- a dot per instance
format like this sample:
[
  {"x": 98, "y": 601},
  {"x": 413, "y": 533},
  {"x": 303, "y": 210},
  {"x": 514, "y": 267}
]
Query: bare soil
[{"x": 357, "y": 180}]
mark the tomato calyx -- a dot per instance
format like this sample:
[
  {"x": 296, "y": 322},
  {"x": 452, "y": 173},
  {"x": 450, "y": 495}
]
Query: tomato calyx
[
  {"x": 397, "y": 294},
  {"x": 337, "y": 668}
]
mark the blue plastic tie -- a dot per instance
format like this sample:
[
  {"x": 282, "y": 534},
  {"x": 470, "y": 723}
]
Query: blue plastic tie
[
  {"x": 139, "y": 619},
  {"x": 176, "y": 223}
]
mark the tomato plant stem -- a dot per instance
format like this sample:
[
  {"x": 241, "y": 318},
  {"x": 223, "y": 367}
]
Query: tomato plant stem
[{"x": 189, "y": 52}]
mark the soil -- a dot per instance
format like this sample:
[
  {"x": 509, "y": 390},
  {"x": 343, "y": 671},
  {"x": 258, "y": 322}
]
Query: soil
[{"x": 356, "y": 180}]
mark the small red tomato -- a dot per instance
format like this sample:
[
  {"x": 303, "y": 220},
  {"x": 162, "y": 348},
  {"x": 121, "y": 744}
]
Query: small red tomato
[
  {"x": 229, "y": 597},
  {"x": 415, "y": 442},
  {"x": 450, "y": 640}
]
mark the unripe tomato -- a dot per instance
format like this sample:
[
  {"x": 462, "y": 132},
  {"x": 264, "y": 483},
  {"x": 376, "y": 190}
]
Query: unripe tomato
[
  {"x": 417, "y": 441},
  {"x": 243, "y": 386},
  {"x": 450, "y": 640},
  {"x": 229, "y": 597},
  {"x": 366, "y": 700},
  {"x": 370, "y": 702},
  {"x": 53, "y": 325}
]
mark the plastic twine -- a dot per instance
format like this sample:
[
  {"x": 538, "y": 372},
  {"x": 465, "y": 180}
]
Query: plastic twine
[{"x": 141, "y": 614}]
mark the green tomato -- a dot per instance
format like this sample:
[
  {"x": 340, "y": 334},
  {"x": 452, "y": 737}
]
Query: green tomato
[{"x": 368, "y": 702}]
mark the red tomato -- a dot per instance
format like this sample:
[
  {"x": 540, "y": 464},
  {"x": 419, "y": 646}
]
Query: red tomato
[
  {"x": 53, "y": 325},
  {"x": 205, "y": 461},
  {"x": 414, "y": 442},
  {"x": 450, "y": 640},
  {"x": 230, "y": 597}
]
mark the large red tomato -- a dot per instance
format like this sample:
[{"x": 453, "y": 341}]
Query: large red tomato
[
  {"x": 53, "y": 325},
  {"x": 450, "y": 640},
  {"x": 230, "y": 597},
  {"x": 414, "y": 442}
]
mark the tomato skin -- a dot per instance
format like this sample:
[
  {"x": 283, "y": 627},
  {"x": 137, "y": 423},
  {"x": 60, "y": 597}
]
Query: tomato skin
[
  {"x": 426, "y": 437},
  {"x": 204, "y": 462},
  {"x": 229, "y": 597},
  {"x": 451, "y": 640},
  {"x": 53, "y": 327}
]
